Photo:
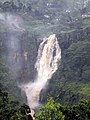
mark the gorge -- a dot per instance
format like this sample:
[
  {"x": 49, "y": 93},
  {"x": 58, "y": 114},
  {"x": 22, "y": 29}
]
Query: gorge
[{"x": 45, "y": 59}]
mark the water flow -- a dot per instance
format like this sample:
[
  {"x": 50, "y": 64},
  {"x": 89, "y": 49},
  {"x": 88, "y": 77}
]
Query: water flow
[{"x": 49, "y": 55}]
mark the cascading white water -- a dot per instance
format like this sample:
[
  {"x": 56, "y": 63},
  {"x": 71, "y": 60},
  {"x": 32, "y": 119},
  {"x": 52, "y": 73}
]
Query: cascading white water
[{"x": 49, "y": 55}]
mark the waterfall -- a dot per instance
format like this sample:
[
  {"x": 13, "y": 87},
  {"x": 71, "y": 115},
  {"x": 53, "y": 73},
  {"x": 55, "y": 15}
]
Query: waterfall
[{"x": 49, "y": 55}]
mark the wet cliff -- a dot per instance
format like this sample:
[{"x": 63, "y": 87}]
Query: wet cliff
[
  {"x": 73, "y": 36},
  {"x": 20, "y": 54}
]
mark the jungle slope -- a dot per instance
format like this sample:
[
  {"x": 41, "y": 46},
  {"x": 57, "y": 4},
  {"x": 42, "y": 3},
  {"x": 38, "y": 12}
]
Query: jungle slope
[{"x": 71, "y": 82}]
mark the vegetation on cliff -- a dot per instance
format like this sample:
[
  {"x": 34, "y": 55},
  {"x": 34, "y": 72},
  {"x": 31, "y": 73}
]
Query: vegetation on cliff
[
  {"x": 52, "y": 110},
  {"x": 71, "y": 82}
]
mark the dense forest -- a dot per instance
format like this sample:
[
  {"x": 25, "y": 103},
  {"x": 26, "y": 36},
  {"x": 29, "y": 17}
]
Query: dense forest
[{"x": 67, "y": 94}]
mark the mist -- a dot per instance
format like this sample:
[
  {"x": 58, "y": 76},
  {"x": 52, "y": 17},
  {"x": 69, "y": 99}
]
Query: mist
[
  {"x": 13, "y": 24},
  {"x": 37, "y": 35}
]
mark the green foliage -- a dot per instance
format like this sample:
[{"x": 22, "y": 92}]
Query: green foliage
[
  {"x": 80, "y": 111},
  {"x": 76, "y": 61},
  {"x": 54, "y": 111},
  {"x": 50, "y": 111},
  {"x": 11, "y": 110},
  {"x": 33, "y": 13},
  {"x": 8, "y": 83}
]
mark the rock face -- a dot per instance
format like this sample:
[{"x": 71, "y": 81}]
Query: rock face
[
  {"x": 19, "y": 52},
  {"x": 67, "y": 38}
]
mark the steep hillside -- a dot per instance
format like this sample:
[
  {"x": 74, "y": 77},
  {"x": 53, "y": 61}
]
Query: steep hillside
[
  {"x": 71, "y": 82},
  {"x": 50, "y": 16}
]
